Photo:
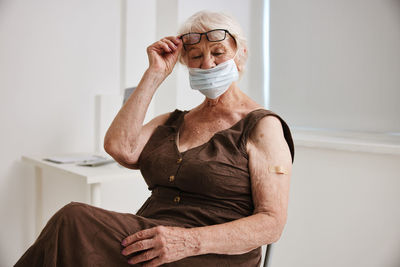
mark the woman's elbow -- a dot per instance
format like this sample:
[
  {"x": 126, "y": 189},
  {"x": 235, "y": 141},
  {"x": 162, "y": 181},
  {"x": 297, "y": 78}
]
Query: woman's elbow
[
  {"x": 109, "y": 144},
  {"x": 280, "y": 223},
  {"x": 110, "y": 147},
  {"x": 274, "y": 225},
  {"x": 119, "y": 153}
]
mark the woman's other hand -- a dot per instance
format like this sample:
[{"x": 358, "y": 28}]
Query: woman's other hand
[
  {"x": 163, "y": 54},
  {"x": 159, "y": 245}
]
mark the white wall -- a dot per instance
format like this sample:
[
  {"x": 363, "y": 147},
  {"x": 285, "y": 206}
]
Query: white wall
[
  {"x": 141, "y": 25},
  {"x": 141, "y": 32},
  {"x": 54, "y": 57},
  {"x": 336, "y": 64},
  {"x": 343, "y": 210}
]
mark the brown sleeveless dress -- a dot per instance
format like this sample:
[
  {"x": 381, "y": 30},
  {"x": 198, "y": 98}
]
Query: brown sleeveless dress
[{"x": 205, "y": 185}]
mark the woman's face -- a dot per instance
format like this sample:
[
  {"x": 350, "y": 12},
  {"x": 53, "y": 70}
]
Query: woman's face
[{"x": 206, "y": 55}]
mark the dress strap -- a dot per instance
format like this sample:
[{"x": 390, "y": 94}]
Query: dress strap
[{"x": 252, "y": 120}]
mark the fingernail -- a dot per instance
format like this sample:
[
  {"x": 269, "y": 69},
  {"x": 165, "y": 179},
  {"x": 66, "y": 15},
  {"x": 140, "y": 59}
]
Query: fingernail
[{"x": 123, "y": 242}]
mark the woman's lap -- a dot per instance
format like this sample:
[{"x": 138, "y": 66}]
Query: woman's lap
[{"x": 83, "y": 235}]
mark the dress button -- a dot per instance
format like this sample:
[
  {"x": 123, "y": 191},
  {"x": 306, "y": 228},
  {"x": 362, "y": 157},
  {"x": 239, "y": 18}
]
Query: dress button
[
  {"x": 171, "y": 178},
  {"x": 179, "y": 160},
  {"x": 177, "y": 199}
]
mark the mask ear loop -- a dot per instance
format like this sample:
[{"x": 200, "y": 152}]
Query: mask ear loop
[
  {"x": 236, "y": 45},
  {"x": 237, "y": 51}
]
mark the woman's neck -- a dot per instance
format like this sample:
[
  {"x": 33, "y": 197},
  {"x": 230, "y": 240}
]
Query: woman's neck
[{"x": 227, "y": 101}]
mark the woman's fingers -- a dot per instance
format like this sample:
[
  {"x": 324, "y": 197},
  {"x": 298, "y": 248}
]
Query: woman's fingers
[
  {"x": 144, "y": 234},
  {"x": 170, "y": 45},
  {"x": 144, "y": 256},
  {"x": 174, "y": 39},
  {"x": 138, "y": 246},
  {"x": 160, "y": 244},
  {"x": 164, "y": 53},
  {"x": 164, "y": 46}
]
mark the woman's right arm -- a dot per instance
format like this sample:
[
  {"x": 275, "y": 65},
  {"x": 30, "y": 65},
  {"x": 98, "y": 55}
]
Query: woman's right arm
[{"x": 127, "y": 136}]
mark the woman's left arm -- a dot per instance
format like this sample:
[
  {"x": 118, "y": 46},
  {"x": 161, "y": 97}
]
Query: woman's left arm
[
  {"x": 270, "y": 166},
  {"x": 270, "y": 170}
]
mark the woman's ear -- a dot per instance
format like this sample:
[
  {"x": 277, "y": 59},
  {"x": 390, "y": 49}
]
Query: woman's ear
[{"x": 244, "y": 52}]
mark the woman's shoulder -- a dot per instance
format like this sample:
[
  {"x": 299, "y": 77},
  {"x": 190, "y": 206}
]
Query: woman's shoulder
[
  {"x": 264, "y": 121},
  {"x": 253, "y": 115}
]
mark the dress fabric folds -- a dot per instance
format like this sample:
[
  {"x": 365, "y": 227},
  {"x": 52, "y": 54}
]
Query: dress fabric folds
[{"x": 205, "y": 185}]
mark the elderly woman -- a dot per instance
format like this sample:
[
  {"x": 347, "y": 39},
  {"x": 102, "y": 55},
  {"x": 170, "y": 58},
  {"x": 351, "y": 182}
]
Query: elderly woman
[{"x": 219, "y": 173}]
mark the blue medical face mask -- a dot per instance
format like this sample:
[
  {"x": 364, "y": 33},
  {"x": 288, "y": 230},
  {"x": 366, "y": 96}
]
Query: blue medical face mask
[{"x": 215, "y": 81}]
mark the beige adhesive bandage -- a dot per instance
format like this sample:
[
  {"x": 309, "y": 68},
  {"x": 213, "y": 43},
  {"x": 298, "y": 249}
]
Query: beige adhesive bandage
[{"x": 277, "y": 169}]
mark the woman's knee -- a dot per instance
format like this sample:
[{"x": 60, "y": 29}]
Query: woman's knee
[{"x": 74, "y": 210}]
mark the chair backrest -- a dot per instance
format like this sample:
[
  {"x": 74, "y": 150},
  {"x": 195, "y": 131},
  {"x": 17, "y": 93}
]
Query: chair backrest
[
  {"x": 267, "y": 258},
  {"x": 127, "y": 93}
]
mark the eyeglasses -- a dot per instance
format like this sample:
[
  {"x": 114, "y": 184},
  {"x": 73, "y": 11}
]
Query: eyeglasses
[{"x": 216, "y": 35}]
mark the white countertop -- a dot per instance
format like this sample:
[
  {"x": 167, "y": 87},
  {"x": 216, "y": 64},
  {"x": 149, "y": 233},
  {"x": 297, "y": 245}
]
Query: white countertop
[
  {"x": 103, "y": 173},
  {"x": 382, "y": 143}
]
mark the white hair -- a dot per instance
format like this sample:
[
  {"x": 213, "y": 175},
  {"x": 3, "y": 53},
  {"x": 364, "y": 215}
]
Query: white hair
[{"x": 204, "y": 21}]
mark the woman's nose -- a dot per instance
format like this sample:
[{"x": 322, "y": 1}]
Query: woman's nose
[{"x": 208, "y": 62}]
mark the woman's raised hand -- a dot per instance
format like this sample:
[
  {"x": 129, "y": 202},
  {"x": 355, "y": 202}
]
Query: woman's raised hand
[{"x": 163, "y": 54}]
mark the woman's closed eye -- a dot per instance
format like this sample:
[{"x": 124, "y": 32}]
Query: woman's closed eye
[
  {"x": 196, "y": 56},
  {"x": 217, "y": 54}
]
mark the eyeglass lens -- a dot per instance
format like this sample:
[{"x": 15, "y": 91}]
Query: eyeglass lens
[
  {"x": 212, "y": 36},
  {"x": 191, "y": 38}
]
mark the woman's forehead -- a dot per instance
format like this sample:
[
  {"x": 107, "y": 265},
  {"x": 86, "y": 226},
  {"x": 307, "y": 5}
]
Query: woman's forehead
[{"x": 200, "y": 28}]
